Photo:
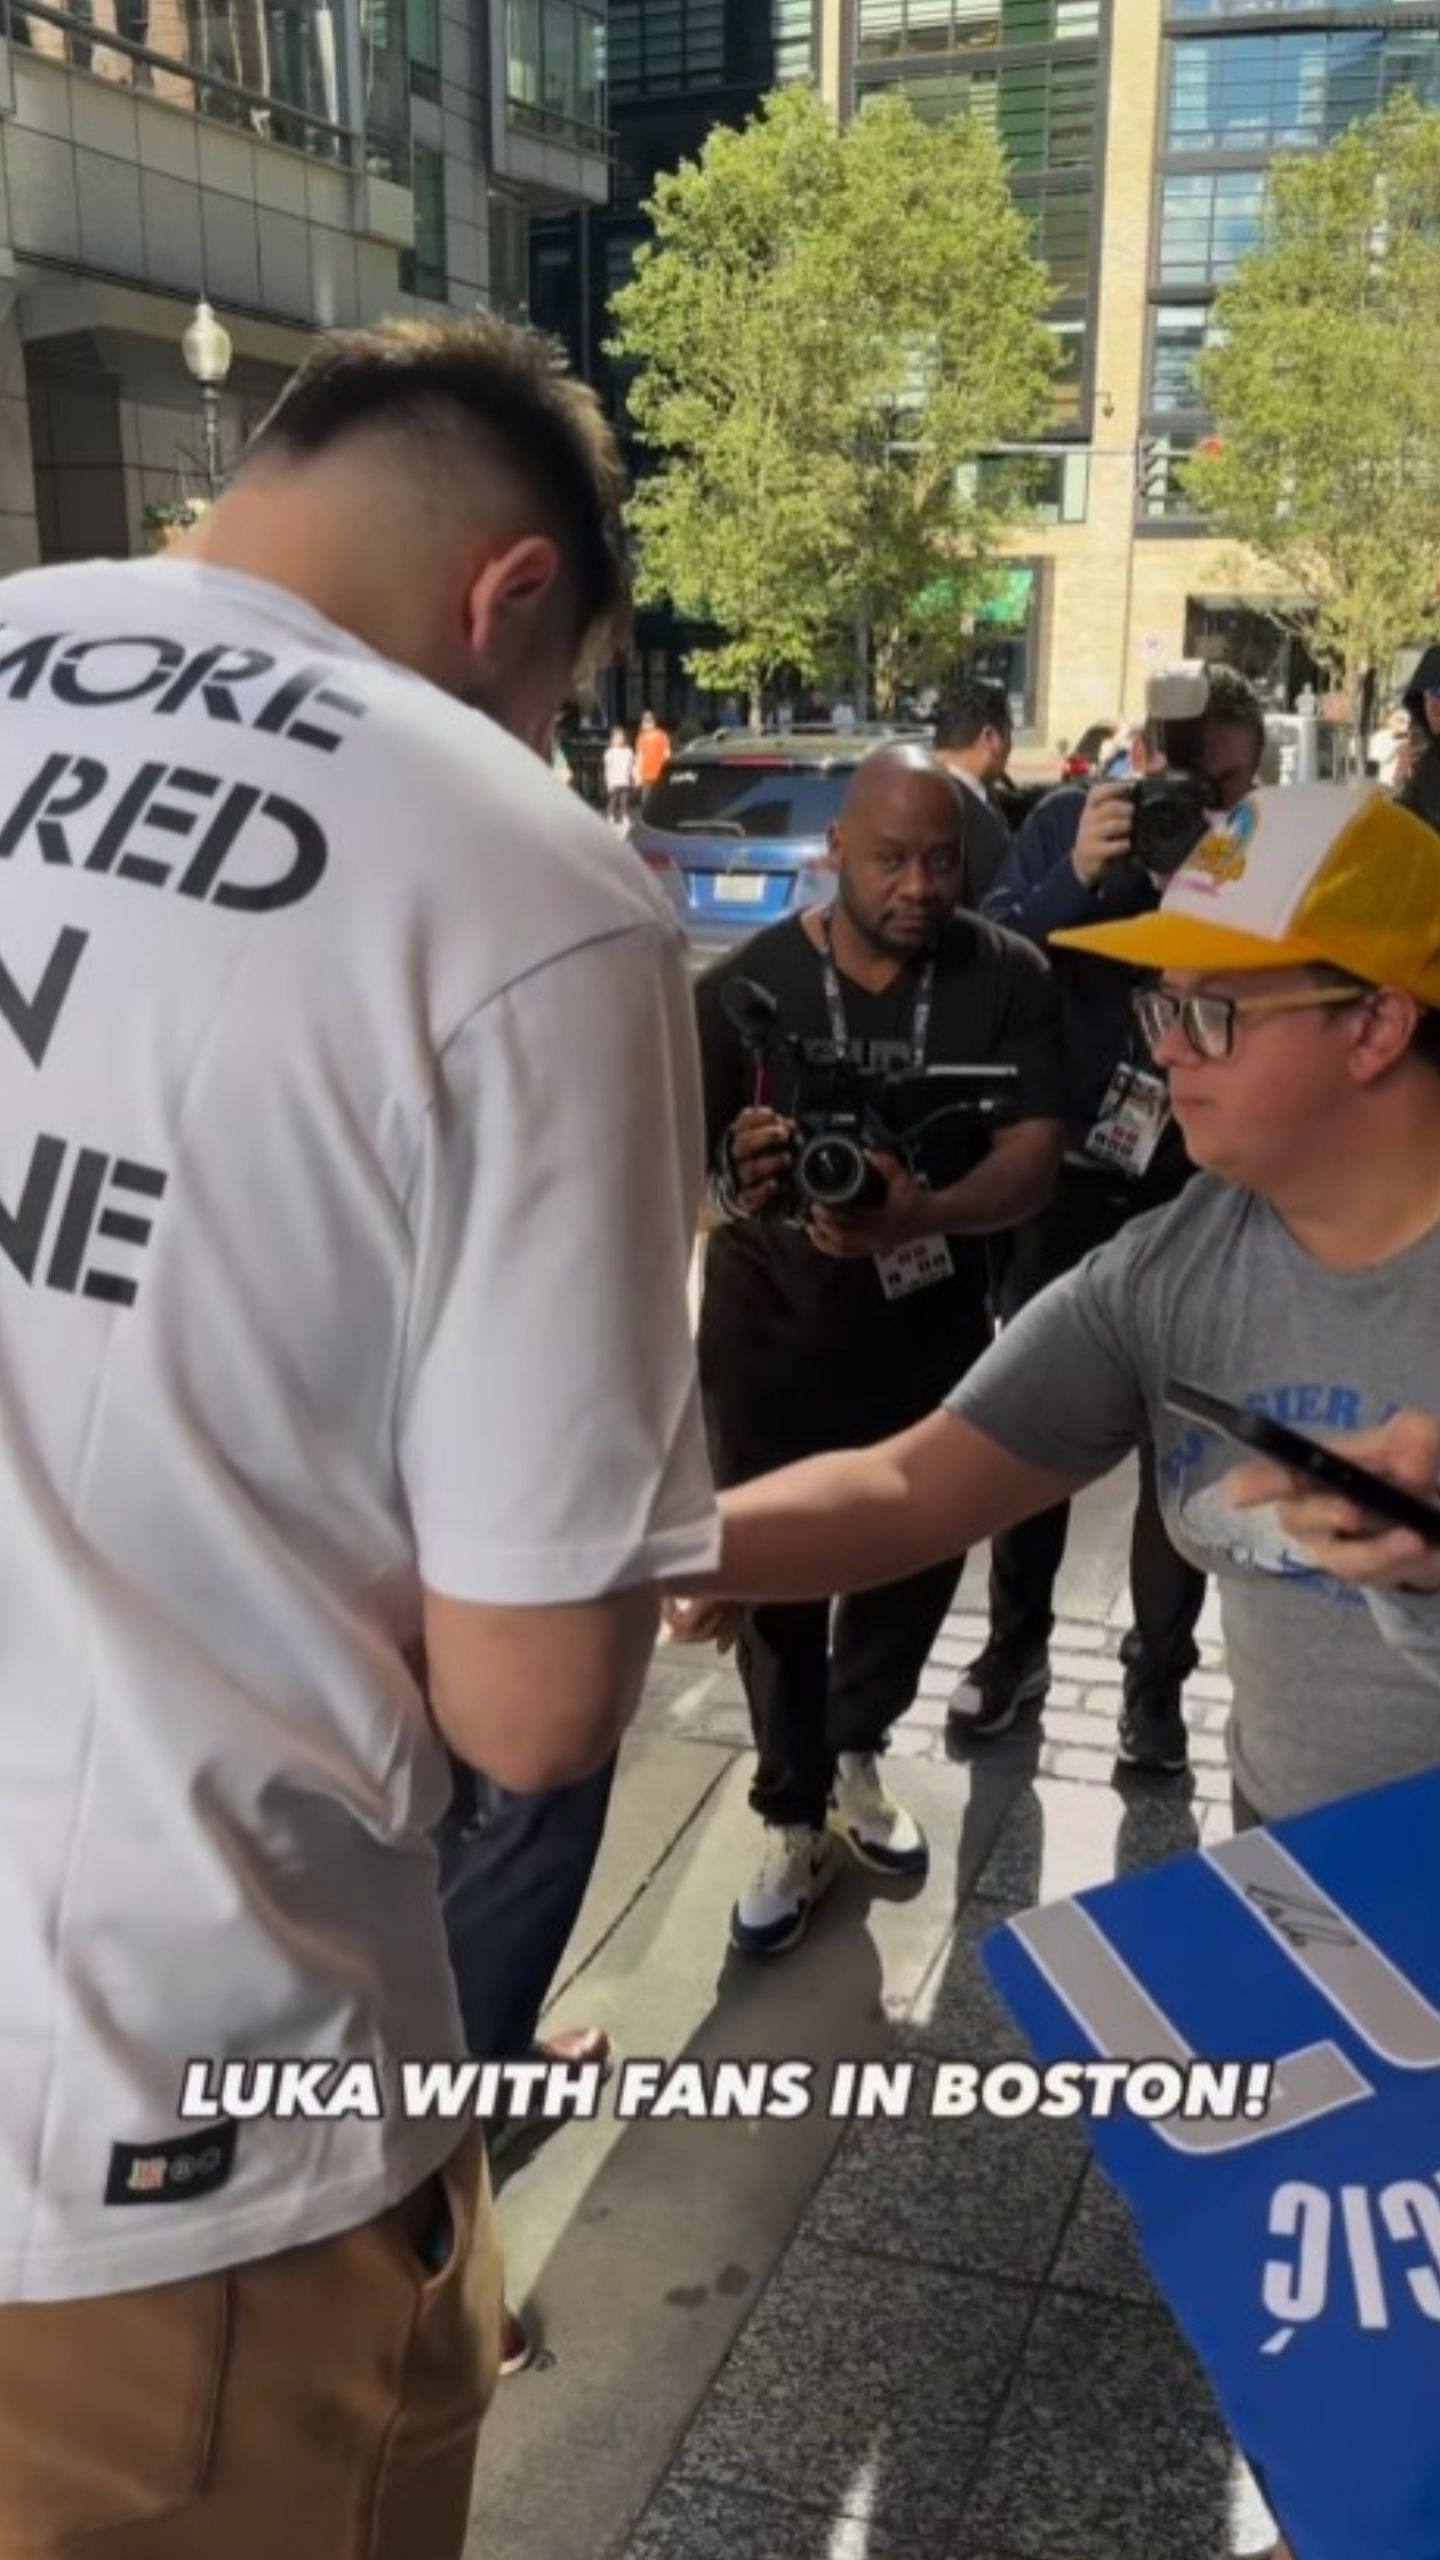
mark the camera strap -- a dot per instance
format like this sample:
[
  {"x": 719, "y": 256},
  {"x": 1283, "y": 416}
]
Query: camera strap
[
  {"x": 835, "y": 1003},
  {"x": 928, "y": 1259}
]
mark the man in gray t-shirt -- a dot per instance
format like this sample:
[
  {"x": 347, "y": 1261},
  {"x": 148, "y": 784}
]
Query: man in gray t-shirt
[
  {"x": 1215, "y": 1289},
  {"x": 1298, "y": 1017}
]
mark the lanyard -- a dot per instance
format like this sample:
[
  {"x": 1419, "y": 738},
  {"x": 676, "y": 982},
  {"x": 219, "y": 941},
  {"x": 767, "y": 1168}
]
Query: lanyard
[{"x": 835, "y": 1003}]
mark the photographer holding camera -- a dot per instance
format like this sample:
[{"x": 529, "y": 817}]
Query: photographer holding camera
[
  {"x": 1085, "y": 858},
  {"x": 846, "y": 1286}
]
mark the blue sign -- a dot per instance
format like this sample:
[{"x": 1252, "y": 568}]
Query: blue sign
[{"x": 1298, "y": 2248}]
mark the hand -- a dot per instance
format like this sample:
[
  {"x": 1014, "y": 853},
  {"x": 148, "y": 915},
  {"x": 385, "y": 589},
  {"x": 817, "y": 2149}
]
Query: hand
[
  {"x": 1105, "y": 828},
  {"x": 1336, "y": 1534},
  {"x": 714, "y": 1622},
  {"x": 759, "y": 1148},
  {"x": 853, "y": 1235}
]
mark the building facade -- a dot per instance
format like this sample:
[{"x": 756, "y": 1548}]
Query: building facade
[
  {"x": 674, "y": 70},
  {"x": 1139, "y": 134},
  {"x": 300, "y": 167}
]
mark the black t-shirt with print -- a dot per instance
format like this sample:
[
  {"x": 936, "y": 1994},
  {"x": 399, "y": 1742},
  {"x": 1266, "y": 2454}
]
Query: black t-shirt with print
[{"x": 799, "y": 1351}]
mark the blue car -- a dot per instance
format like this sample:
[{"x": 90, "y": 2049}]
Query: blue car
[{"x": 735, "y": 828}]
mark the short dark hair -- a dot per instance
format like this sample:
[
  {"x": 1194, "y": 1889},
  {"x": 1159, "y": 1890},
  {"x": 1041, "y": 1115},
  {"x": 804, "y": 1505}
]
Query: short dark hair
[
  {"x": 508, "y": 384},
  {"x": 967, "y": 709}
]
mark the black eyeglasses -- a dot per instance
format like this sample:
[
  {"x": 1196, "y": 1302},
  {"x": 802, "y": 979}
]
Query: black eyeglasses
[{"x": 1207, "y": 1023}]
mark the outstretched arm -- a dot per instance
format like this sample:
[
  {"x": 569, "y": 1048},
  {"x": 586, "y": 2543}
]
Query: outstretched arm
[{"x": 862, "y": 1517}]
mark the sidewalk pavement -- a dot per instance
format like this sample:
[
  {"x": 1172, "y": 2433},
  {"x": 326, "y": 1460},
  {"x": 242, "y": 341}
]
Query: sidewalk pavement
[{"x": 886, "y": 2340}]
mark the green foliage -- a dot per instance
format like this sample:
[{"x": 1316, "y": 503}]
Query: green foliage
[
  {"x": 1322, "y": 385},
  {"x": 827, "y": 327}
]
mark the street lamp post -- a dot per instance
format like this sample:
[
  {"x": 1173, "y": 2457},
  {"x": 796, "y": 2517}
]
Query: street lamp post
[{"x": 207, "y": 350}]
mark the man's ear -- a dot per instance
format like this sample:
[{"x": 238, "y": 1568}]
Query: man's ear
[
  {"x": 509, "y": 589},
  {"x": 1385, "y": 1026},
  {"x": 832, "y": 847}
]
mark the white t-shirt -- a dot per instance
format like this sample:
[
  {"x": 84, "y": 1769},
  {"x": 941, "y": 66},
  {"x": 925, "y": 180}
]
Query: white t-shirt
[
  {"x": 619, "y": 768},
  {"x": 349, "y": 1157}
]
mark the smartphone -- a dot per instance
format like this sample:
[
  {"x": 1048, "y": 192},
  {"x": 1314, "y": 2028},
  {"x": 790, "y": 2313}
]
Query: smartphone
[{"x": 1374, "y": 1494}]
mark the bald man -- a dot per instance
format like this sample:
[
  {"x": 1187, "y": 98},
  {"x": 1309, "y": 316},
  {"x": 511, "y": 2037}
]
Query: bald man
[{"x": 839, "y": 1328}]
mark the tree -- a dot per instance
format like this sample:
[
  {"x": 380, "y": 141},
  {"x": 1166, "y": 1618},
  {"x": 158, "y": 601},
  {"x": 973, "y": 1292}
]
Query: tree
[
  {"x": 1325, "y": 454},
  {"x": 827, "y": 326}
]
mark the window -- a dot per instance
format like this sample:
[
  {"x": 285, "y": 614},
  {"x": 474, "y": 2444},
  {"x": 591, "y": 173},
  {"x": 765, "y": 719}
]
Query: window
[
  {"x": 1178, "y": 332},
  {"x": 1262, "y": 8},
  {"x": 1160, "y": 496},
  {"x": 1068, "y": 382},
  {"x": 792, "y": 29},
  {"x": 271, "y": 71},
  {"x": 554, "y": 78},
  {"x": 1049, "y": 488},
  {"x": 1290, "y": 92},
  {"x": 891, "y": 27},
  {"x": 1044, "y": 113},
  {"x": 509, "y": 252},
  {"x": 423, "y": 22},
  {"x": 1207, "y": 224},
  {"x": 1062, "y": 237},
  {"x": 659, "y": 45},
  {"x": 424, "y": 270}
]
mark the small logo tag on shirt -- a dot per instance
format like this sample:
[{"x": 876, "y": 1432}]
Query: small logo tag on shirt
[{"x": 175, "y": 2172}]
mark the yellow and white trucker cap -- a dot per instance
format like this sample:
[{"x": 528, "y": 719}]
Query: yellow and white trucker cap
[{"x": 1313, "y": 871}]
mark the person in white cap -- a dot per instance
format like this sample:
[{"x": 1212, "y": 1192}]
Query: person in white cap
[{"x": 1295, "y": 1013}]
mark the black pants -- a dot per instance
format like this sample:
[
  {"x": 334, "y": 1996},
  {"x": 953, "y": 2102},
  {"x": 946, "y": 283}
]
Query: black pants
[
  {"x": 819, "y": 1683},
  {"x": 815, "y": 1689},
  {"x": 1167, "y": 1594},
  {"x": 513, "y": 1874}
]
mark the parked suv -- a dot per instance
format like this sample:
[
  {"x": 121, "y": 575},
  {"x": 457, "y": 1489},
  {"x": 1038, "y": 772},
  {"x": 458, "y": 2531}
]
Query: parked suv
[{"x": 735, "y": 828}]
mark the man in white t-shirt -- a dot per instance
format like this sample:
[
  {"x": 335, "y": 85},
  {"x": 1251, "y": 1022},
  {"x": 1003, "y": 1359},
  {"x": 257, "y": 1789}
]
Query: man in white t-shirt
[{"x": 329, "y": 1030}]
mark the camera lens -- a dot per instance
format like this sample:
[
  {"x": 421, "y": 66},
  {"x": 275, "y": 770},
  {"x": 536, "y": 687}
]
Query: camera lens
[{"x": 833, "y": 1173}]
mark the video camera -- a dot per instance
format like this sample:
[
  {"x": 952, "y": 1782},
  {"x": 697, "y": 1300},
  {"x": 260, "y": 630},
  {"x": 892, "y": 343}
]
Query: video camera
[
  {"x": 844, "y": 1114},
  {"x": 1171, "y": 809}
]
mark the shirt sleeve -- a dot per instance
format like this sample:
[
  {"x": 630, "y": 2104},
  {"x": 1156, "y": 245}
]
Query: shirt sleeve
[
  {"x": 1062, "y": 1388},
  {"x": 550, "y": 1440},
  {"x": 727, "y": 1087},
  {"x": 1036, "y": 891},
  {"x": 1030, "y": 1037}
]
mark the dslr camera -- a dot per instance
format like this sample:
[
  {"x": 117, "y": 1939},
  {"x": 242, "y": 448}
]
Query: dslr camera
[
  {"x": 1171, "y": 808},
  {"x": 844, "y": 1113}
]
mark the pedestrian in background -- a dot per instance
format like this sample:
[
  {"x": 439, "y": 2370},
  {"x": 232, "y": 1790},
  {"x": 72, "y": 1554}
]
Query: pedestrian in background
[
  {"x": 973, "y": 737},
  {"x": 652, "y": 751},
  {"x": 619, "y": 777}
]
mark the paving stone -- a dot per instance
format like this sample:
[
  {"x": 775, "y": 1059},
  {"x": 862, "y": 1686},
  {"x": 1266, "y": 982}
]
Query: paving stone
[
  {"x": 981, "y": 2194},
  {"x": 1100, "y": 2253},
  {"x": 1089, "y": 1768},
  {"x": 693, "y": 2520},
  {"x": 1078, "y": 1635},
  {"x": 1109, "y": 2447},
  {"x": 869, "y": 2384},
  {"x": 956, "y": 2013},
  {"x": 1084, "y": 1667}
]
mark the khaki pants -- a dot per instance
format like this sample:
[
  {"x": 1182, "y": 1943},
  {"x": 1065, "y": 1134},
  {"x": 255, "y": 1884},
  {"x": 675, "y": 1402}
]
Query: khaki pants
[{"x": 319, "y": 2405}]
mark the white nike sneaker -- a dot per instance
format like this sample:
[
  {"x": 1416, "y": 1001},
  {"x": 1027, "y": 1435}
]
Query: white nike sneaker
[
  {"x": 875, "y": 1829},
  {"x": 796, "y": 1865}
]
